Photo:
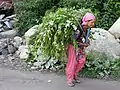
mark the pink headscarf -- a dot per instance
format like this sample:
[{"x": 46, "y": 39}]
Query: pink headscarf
[{"x": 86, "y": 17}]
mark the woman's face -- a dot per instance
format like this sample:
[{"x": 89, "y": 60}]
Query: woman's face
[{"x": 91, "y": 23}]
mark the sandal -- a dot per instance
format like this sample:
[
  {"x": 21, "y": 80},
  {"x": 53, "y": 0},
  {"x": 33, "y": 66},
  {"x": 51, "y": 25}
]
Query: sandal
[
  {"x": 76, "y": 81},
  {"x": 71, "y": 84}
]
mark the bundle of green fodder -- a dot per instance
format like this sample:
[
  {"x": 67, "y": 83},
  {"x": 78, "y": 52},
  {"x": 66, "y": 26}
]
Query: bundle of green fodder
[{"x": 55, "y": 32}]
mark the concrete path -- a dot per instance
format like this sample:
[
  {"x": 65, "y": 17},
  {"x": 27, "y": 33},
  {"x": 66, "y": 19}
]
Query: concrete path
[{"x": 19, "y": 80}]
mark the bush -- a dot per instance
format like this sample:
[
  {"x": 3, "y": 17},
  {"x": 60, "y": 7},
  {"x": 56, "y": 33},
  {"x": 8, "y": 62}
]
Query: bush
[
  {"x": 99, "y": 65},
  {"x": 30, "y": 12},
  {"x": 115, "y": 74},
  {"x": 108, "y": 11}
]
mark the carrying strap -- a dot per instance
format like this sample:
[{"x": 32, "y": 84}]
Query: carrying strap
[
  {"x": 88, "y": 33},
  {"x": 84, "y": 34}
]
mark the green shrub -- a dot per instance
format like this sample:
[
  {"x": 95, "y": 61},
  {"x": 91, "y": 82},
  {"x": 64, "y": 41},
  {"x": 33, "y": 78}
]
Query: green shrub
[
  {"x": 108, "y": 11},
  {"x": 115, "y": 74},
  {"x": 99, "y": 65},
  {"x": 30, "y": 12}
]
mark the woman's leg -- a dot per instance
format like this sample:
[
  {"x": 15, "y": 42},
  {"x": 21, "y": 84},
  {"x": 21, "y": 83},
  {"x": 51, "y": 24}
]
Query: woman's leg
[
  {"x": 80, "y": 65},
  {"x": 71, "y": 64}
]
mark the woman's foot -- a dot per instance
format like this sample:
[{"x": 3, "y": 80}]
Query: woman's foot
[
  {"x": 76, "y": 81},
  {"x": 71, "y": 84}
]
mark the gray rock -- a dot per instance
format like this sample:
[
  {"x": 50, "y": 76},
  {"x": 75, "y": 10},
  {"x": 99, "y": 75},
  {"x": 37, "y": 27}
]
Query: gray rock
[
  {"x": 23, "y": 52},
  {"x": 1, "y": 36},
  {"x": 5, "y": 19},
  {"x": 1, "y": 29},
  {"x": 23, "y": 48},
  {"x": 37, "y": 64},
  {"x": 99, "y": 33},
  {"x": 31, "y": 32},
  {"x": 2, "y": 16},
  {"x": 11, "y": 58},
  {"x": 17, "y": 53},
  {"x": 8, "y": 24},
  {"x": 42, "y": 58},
  {"x": 33, "y": 68},
  {"x": 5, "y": 52},
  {"x": 118, "y": 40},
  {"x": 106, "y": 44},
  {"x": 9, "y": 34},
  {"x": 18, "y": 41},
  {"x": 1, "y": 25},
  {"x": 23, "y": 55},
  {"x": 115, "y": 29},
  {"x": 3, "y": 40},
  {"x": 12, "y": 22},
  {"x": 3, "y": 45},
  {"x": 11, "y": 17},
  {"x": 5, "y": 28},
  {"x": 11, "y": 49},
  {"x": 2, "y": 57}
]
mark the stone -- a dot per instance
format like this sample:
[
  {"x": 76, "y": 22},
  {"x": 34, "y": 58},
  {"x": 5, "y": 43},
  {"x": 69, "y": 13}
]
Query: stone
[
  {"x": 99, "y": 33},
  {"x": 17, "y": 41},
  {"x": 105, "y": 43},
  {"x": 2, "y": 16},
  {"x": 1, "y": 29},
  {"x": 1, "y": 25},
  {"x": 37, "y": 64},
  {"x": 9, "y": 34},
  {"x": 5, "y": 52},
  {"x": 33, "y": 68},
  {"x": 11, "y": 58},
  {"x": 11, "y": 49},
  {"x": 1, "y": 36},
  {"x": 115, "y": 29},
  {"x": 5, "y": 28},
  {"x": 118, "y": 40},
  {"x": 31, "y": 32},
  {"x": 11, "y": 17},
  {"x": 12, "y": 22},
  {"x": 3, "y": 45},
  {"x": 22, "y": 48},
  {"x": 49, "y": 81},
  {"x": 17, "y": 53},
  {"x": 3, "y": 40},
  {"x": 8, "y": 24},
  {"x": 23, "y": 52},
  {"x": 23, "y": 55}
]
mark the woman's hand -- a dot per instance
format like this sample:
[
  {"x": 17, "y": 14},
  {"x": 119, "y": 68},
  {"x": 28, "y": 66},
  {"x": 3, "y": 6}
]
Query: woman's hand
[
  {"x": 86, "y": 44},
  {"x": 83, "y": 44}
]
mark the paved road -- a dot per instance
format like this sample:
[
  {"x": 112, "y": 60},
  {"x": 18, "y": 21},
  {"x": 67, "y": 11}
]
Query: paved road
[{"x": 19, "y": 80}]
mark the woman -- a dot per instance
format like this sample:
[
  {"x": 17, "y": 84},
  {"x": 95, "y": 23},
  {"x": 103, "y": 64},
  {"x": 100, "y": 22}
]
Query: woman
[{"x": 76, "y": 58}]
